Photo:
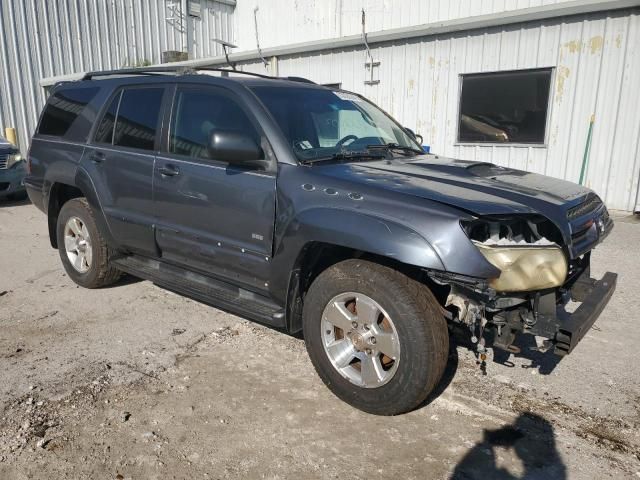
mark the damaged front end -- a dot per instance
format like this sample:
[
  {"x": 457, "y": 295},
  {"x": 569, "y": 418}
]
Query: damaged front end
[{"x": 534, "y": 292}]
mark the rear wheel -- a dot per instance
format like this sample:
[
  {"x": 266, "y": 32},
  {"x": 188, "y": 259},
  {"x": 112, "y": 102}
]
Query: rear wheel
[
  {"x": 376, "y": 337},
  {"x": 83, "y": 250}
]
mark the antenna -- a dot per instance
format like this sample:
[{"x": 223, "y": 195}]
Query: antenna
[{"x": 225, "y": 46}]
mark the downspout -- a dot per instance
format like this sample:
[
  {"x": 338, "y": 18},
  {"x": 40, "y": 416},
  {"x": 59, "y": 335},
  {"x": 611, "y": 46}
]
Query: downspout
[
  {"x": 185, "y": 25},
  {"x": 255, "y": 24}
]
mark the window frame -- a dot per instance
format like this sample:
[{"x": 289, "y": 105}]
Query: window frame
[
  {"x": 119, "y": 91},
  {"x": 103, "y": 112},
  {"x": 170, "y": 118},
  {"x": 544, "y": 144}
]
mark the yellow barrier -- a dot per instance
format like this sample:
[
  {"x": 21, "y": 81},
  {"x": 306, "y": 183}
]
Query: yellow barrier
[{"x": 10, "y": 135}]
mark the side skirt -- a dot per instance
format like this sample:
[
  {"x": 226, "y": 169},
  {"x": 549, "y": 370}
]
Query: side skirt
[{"x": 205, "y": 289}]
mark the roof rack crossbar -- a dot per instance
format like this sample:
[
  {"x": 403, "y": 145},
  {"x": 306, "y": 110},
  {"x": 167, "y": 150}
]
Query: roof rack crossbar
[{"x": 180, "y": 69}]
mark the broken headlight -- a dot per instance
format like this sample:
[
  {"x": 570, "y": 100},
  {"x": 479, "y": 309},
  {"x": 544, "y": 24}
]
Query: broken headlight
[
  {"x": 524, "y": 249},
  {"x": 526, "y": 268}
]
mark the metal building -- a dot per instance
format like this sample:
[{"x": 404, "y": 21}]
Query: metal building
[
  {"x": 420, "y": 63},
  {"x": 41, "y": 39}
]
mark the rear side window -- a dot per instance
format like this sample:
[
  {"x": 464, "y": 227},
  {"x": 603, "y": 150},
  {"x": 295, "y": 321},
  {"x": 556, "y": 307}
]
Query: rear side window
[
  {"x": 63, "y": 108},
  {"x": 137, "y": 121},
  {"x": 197, "y": 114}
]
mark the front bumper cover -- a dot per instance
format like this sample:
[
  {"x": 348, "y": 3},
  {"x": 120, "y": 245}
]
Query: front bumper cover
[{"x": 12, "y": 180}]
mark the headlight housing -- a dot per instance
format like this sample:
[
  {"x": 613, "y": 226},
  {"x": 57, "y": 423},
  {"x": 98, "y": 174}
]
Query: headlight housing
[
  {"x": 13, "y": 158},
  {"x": 525, "y": 268}
]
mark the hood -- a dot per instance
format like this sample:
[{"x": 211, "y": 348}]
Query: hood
[{"x": 477, "y": 187}]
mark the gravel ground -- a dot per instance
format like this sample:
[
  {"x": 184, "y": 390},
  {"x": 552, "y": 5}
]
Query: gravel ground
[{"x": 134, "y": 381}]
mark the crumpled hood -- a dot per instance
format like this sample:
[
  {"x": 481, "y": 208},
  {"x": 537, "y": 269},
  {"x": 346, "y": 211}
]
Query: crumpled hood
[{"x": 477, "y": 187}]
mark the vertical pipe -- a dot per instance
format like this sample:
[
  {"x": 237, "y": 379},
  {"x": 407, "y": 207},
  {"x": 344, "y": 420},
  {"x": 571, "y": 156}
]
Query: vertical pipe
[
  {"x": 587, "y": 147},
  {"x": 184, "y": 25}
]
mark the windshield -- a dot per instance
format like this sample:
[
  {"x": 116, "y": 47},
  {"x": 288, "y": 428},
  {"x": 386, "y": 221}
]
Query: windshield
[{"x": 321, "y": 123}]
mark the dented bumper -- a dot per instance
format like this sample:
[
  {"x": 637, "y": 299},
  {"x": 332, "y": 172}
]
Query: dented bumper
[{"x": 594, "y": 296}]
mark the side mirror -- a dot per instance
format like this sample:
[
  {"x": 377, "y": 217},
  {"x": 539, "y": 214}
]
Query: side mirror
[
  {"x": 415, "y": 135},
  {"x": 235, "y": 148}
]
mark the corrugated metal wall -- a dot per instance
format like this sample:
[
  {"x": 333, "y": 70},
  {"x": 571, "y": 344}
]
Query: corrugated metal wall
[
  {"x": 596, "y": 60},
  {"x": 291, "y": 21},
  {"x": 41, "y": 39}
]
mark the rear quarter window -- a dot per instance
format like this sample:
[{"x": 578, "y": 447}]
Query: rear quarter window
[{"x": 63, "y": 108}]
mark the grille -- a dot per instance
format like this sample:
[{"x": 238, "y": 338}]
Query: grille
[
  {"x": 589, "y": 205},
  {"x": 3, "y": 160}
]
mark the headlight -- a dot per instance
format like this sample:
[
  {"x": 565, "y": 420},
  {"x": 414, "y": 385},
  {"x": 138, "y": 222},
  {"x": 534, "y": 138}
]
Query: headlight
[
  {"x": 526, "y": 268},
  {"x": 13, "y": 159}
]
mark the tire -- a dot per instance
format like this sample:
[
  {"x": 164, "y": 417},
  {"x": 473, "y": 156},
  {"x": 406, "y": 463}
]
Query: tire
[
  {"x": 95, "y": 271},
  {"x": 408, "y": 317}
]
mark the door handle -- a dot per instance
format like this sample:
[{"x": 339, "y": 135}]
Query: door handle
[
  {"x": 169, "y": 171},
  {"x": 97, "y": 157}
]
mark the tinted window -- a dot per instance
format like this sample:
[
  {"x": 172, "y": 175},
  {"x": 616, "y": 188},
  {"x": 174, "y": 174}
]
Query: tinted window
[
  {"x": 197, "y": 113},
  {"x": 137, "y": 120},
  {"x": 504, "y": 106},
  {"x": 104, "y": 133},
  {"x": 63, "y": 108}
]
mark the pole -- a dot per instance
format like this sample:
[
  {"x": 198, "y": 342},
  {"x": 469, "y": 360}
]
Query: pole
[{"x": 587, "y": 148}]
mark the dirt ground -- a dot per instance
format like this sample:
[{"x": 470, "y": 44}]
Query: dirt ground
[{"x": 134, "y": 381}]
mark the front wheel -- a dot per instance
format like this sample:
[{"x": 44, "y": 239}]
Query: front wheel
[{"x": 376, "y": 337}]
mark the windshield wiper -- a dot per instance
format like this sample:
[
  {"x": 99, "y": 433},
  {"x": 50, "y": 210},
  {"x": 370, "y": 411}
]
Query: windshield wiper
[
  {"x": 394, "y": 146},
  {"x": 355, "y": 155}
]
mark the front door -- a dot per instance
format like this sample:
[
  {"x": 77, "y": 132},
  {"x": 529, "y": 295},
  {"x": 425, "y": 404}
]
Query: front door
[
  {"x": 213, "y": 216},
  {"x": 120, "y": 161}
]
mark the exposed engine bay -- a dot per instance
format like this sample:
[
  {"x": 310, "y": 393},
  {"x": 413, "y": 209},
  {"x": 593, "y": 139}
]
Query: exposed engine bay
[{"x": 536, "y": 283}]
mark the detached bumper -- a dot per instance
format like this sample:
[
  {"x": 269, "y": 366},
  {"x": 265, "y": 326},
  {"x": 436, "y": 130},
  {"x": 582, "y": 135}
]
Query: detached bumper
[{"x": 594, "y": 295}]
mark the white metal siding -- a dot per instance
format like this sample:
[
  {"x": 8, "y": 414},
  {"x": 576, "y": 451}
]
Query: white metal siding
[
  {"x": 284, "y": 22},
  {"x": 41, "y": 39},
  {"x": 596, "y": 72}
]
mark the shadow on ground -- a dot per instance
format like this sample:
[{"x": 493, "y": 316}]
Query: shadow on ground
[
  {"x": 545, "y": 362},
  {"x": 14, "y": 202},
  {"x": 530, "y": 439}
]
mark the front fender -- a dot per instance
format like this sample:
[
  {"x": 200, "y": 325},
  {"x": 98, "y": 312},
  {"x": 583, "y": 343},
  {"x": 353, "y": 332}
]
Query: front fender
[
  {"x": 354, "y": 230},
  {"x": 367, "y": 233}
]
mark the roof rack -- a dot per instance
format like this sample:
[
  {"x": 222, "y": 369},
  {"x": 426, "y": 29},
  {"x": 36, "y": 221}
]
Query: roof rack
[{"x": 182, "y": 70}]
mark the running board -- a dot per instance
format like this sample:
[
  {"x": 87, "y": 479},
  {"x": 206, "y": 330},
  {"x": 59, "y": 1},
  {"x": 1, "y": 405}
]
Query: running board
[{"x": 205, "y": 289}]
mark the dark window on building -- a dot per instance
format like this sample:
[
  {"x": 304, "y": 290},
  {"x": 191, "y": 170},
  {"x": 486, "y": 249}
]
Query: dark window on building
[
  {"x": 197, "y": 113},
  {"x": 104, "y": 133},
  {"x": 137, "y": 120},
  {"x": 63, "y": 108},
  {"x": 504, "y": 106}
]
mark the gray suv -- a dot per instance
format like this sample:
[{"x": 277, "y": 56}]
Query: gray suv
[{"x": 311, "y": 210}]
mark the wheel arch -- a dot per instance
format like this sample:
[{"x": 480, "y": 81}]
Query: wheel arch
[
  {"x": 320, "y": 237},
  {"x": 60, "y": 192}
]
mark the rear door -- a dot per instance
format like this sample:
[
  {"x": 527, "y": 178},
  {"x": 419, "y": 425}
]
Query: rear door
[
  {"x": 120, "y": 160},
  {"x": 213, "y": 216}
]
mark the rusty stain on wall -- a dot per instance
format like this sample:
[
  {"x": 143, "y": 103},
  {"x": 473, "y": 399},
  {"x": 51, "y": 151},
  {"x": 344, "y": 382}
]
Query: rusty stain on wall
[
  {"x": 432, "y": 61},
  {"x": 574, "y": 46},
  {"x": 595, "y": 44},
  {"x": 562, "y": 75},
  {"x": 618, "y": 41}
]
